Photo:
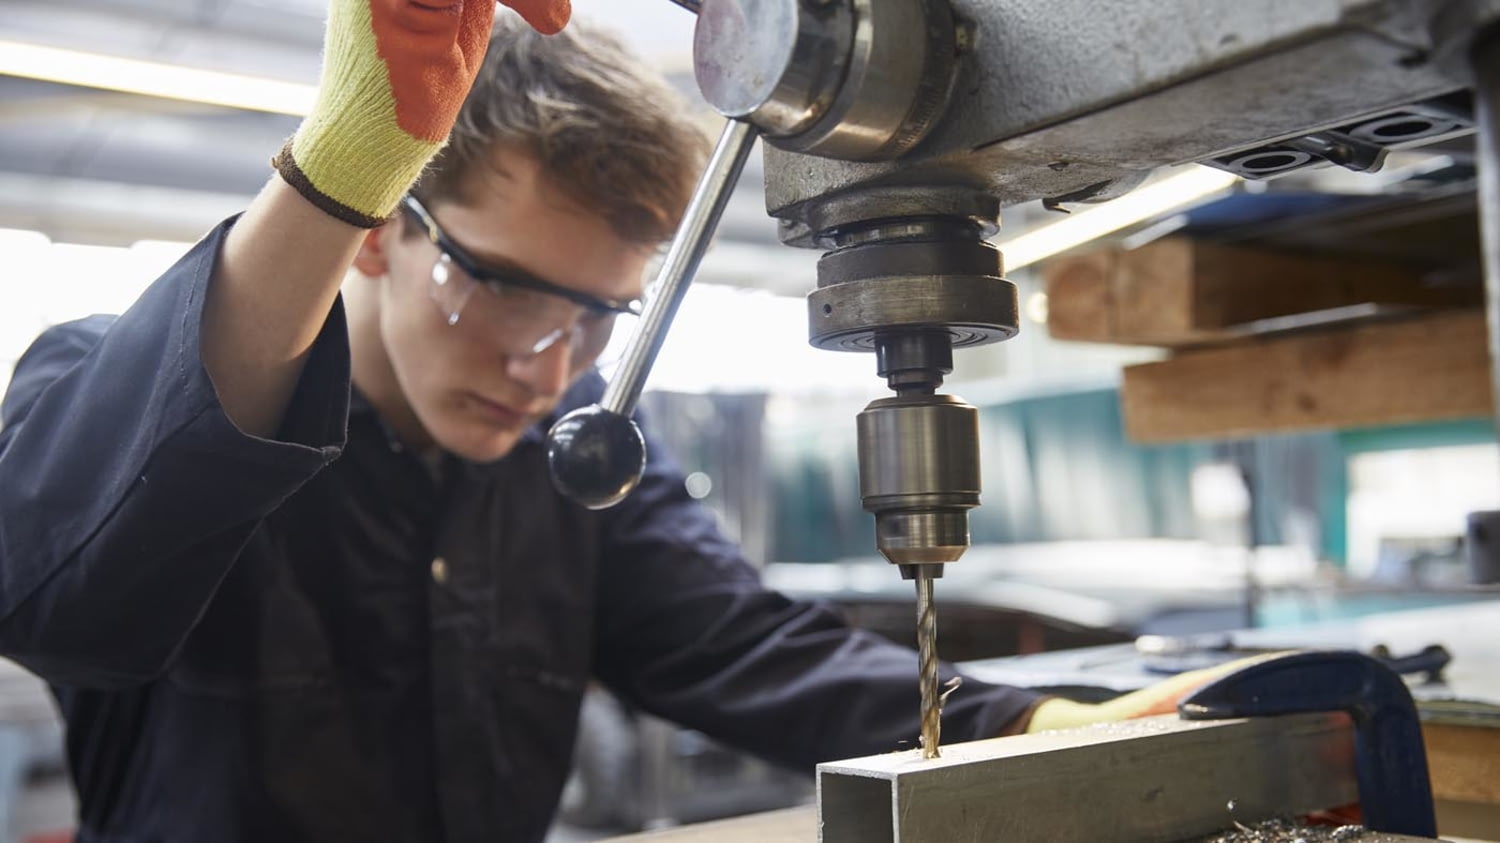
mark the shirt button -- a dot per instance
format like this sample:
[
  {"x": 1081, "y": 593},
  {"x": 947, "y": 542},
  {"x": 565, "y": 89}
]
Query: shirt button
[{"x": 439, "y": 571}]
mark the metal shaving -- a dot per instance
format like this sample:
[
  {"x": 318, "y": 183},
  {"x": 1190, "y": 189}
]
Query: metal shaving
[
  {"x": 948, "y": 688},
  {"x": 1286, "y": 831}
]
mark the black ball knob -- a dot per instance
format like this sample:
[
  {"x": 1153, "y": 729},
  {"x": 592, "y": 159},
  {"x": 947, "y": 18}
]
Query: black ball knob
[{"x": 596, "y": 456}]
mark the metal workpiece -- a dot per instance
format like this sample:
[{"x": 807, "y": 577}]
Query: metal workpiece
[
  {"x": 862, "y": 80},
  {"x": 597, "y": 453},
  {"x": 1062, "y": 97},
  {"x": 1159, "y": 778},
  {"x": 919, "y": 475}
]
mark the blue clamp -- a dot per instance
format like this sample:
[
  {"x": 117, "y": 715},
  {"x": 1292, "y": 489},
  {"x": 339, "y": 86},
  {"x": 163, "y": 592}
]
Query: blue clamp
[{"x": 1395, "y": 794}]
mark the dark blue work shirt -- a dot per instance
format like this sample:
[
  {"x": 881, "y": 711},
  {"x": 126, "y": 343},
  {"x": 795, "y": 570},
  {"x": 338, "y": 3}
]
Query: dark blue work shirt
[{"x": 318, "y": 638}]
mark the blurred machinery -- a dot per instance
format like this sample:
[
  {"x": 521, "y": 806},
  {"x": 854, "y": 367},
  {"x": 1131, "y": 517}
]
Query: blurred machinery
[{"x": 898, "y": 129}]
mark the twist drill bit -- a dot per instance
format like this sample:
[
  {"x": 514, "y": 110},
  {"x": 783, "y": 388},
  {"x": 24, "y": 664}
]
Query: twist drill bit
[{"x": 928, "y": 667}]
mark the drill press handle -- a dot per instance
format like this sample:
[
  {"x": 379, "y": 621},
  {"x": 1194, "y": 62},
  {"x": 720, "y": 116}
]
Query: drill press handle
[
  {"x": 596, "y": 453},
  {"x": 842, "y": 78}
]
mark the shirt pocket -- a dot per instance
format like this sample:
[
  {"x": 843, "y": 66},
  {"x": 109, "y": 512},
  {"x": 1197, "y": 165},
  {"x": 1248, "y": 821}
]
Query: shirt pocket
[{"x": 538, "y": 721}]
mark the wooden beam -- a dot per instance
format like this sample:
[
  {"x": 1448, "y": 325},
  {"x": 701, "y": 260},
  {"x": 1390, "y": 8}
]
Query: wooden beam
[
  {"x": 1177, "y": 292},
  {"x": 1391, "y": 372},
  {"x": 1464, "y": 762},
  {"x": 1473, "y": 822}
]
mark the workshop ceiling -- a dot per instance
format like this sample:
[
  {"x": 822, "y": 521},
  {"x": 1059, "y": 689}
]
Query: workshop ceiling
[{"x": 94, "y": 166}]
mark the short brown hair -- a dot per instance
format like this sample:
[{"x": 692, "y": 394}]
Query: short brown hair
[{"x": 610, "y": 135}]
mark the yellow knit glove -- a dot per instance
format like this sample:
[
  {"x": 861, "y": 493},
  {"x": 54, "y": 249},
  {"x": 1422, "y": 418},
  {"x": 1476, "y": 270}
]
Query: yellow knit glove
[
  {"x": 395, "y": 73},
  {"x": 1161, "y": 698}
]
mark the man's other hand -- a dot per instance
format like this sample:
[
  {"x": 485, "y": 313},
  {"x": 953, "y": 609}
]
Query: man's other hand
[{"x": 1160, "y": 698}]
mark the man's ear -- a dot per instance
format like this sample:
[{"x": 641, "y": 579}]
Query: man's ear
[{"x": 371, "y": 260}]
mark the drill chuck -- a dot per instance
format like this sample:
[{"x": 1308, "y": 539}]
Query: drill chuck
[{"x": 919, "y": 476}]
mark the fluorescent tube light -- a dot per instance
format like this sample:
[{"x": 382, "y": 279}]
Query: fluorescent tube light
[
  {"x": 155, "y": 79},
  {"x": 1169, "y": 194}
]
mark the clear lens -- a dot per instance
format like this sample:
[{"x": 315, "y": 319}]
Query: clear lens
[
  {"x": 528, "y": 321},
  {"x": 451, "y": 288}
]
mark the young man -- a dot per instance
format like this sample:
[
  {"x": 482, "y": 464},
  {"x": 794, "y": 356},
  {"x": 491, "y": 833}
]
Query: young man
[
  {"x": 292, "y": 562},
  {"x": 274, "y": 610}
]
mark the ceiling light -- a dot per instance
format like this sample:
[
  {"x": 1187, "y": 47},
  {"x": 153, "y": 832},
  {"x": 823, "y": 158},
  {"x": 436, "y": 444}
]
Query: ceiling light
[
  {"x": 154, "y": 79},
  {"x": 1164, "y": 196}
]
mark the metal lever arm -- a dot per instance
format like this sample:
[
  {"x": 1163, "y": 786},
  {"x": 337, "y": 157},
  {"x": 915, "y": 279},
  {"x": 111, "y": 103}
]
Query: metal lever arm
[{"x": 597, "y": 453}]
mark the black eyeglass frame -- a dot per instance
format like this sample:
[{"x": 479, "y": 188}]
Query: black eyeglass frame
[{"x": 509, "y": 277}]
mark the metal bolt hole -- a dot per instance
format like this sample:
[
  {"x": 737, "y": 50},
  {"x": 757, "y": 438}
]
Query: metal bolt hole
[
  {"x": 1405, "y": 128},
  {"x": 1270, "y": 162}
]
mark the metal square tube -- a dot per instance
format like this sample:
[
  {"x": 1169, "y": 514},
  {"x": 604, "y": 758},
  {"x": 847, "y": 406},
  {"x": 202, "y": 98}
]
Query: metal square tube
[{"x": 1154, "y": 779}]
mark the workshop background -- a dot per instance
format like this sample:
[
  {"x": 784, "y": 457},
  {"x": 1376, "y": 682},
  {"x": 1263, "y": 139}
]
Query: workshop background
[{"x": 1108, "y": 511}]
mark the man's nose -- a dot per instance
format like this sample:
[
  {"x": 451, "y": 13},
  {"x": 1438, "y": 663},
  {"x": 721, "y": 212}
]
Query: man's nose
[{"x": 545, "y": 372}]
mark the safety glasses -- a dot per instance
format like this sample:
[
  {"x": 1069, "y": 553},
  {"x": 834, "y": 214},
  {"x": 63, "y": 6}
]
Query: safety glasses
[{"x": 529, "y": 313}]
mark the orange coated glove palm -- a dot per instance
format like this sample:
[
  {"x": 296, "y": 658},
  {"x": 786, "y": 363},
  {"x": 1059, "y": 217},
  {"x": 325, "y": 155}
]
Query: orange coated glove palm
[
  {"x": 545, "y": 16},
  {"x": 395, "y": 73}
]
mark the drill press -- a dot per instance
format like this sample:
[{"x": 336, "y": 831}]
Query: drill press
[
  {"x": 858, "y": 81},
  {"x": 897, "y": 129}
]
